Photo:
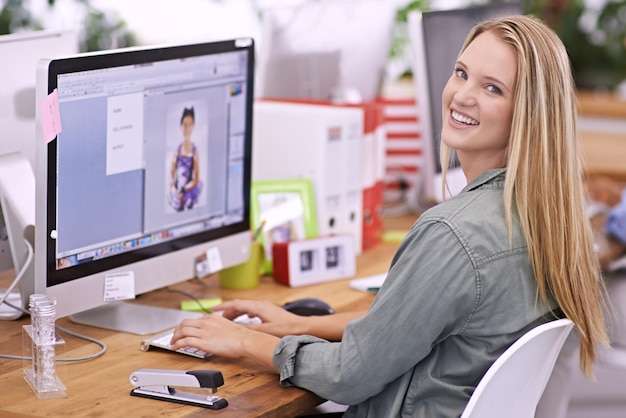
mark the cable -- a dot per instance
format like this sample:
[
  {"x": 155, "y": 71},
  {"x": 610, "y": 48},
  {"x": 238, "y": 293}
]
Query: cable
[
  {"x": 86, "y": 338},
  {"x": 190, "y": 296},
  {"x": 20, "y": 274},
  {"x": 67, "y": 331},
  {"x": 200, "y": 281}
]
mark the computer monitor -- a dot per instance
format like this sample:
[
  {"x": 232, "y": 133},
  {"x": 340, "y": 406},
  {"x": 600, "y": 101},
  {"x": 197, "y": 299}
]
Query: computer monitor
[
  {"x": 325, "y": 50},
  {"x": 150, "y": 171},
  {"x": 20, "y": 53},
  {"x": 436, "y": 38}
]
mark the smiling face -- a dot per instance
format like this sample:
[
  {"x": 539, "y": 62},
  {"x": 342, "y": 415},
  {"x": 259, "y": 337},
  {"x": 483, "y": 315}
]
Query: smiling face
[{"x": 477, "y": 104}]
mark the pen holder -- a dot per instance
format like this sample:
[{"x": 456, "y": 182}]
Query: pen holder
[{"x": 246, "y": 275}]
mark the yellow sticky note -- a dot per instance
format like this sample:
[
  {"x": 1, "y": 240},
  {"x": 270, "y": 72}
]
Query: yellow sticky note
[
  {"x": 198, "y": 305},
  {"x": 394, "y": 236}
]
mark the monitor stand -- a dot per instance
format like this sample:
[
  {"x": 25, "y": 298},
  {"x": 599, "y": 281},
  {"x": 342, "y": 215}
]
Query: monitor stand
[{"x": 132, "y": 318}]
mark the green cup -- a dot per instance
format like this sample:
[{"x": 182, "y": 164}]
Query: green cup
[{"x": 248, "y": 274}]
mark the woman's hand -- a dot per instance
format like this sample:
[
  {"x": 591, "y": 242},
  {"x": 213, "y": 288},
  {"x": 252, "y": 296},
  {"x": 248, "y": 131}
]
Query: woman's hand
[
  {"x": 275, "y": 320},
  {"x": 220, "y": 336}
]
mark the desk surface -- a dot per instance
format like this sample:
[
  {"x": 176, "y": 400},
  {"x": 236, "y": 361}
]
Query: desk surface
[
  {"x": 101, "y": 387},
  {"x": 601, "y": 104},
  {"x": 603, "y": 144}
]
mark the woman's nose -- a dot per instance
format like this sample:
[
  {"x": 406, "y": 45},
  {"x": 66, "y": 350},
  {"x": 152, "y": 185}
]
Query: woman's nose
[{"x": 466, "y": 94}]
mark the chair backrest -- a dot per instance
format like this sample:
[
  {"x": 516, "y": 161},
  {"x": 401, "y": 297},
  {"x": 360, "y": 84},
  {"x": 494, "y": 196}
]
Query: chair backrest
[{"x": 514, "y": 383}]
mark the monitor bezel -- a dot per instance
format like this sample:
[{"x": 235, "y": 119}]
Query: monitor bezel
[{"x": 234, "y": 237}]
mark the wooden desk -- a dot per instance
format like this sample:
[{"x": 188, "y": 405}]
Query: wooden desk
[
  {"x": 603, "y": 141},
  {"x": 101, "y": 387},
  {"x": 601, "y": 104},
  {"x": 604, "y": 153}
]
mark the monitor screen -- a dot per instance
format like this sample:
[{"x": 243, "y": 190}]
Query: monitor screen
[
  {"x": 325, "y": 50},
  {"x": 436, "y": 38},
  {"x": 150, "y": 170}
]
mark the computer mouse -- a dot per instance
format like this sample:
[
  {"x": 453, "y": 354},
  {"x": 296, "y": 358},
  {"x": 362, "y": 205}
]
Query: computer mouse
[{"x": 308, "y": 307}]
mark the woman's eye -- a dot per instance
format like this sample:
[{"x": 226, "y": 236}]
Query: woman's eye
[
  {"x": 493, "y": 89},
  {"x": 460, "y": 73}
]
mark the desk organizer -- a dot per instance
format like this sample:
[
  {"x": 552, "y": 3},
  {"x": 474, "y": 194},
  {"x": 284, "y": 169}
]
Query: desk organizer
[{"x": 40, "y": 344}]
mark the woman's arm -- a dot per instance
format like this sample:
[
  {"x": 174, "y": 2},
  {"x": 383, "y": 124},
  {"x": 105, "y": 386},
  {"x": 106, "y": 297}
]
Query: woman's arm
[
  {"x": 279, "y": 322},
  {"x": 428, "y": 294},
  {"x": 329, "y": 327},
  {"x": 218, "y": 335}
]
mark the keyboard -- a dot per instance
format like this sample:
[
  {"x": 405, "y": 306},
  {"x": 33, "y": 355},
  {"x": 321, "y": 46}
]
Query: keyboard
[{"x": 163, "y": 339}]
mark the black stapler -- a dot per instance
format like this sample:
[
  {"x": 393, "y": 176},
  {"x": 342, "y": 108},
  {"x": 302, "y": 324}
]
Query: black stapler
[{"x": 158, "y": 384}]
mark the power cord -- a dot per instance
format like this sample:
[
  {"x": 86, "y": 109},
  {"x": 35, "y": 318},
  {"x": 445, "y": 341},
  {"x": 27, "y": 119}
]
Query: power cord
[
  {"x": 20, "y": 275},
  {"x": 190, "y": 296},
  {"x": 67, "y": 331},
  {"x": 3, "y": 300}
]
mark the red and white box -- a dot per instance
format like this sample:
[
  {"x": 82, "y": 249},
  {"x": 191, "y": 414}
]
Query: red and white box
[{"x": 314, "y": 260}]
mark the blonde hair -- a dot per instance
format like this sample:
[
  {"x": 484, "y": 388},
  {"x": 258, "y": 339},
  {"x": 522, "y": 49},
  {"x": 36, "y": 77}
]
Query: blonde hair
[{"x": 544, "y": 179}]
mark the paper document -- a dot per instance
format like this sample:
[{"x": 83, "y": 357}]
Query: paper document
[{"x": 369, "y": 284}]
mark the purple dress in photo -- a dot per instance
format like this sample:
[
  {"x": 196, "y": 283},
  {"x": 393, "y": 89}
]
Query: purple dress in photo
[{"x": 179, "y": 198}]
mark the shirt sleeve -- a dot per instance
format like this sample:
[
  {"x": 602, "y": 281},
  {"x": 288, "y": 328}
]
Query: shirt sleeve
[{"x": 430, "y": 293}]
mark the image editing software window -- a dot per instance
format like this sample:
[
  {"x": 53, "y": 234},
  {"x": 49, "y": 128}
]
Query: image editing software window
[{"x": 148, "y": 154}]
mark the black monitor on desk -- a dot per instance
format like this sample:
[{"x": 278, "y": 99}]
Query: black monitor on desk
[
  {"x": 436, "y": 39},
  {"x": 125, "y": 204}
]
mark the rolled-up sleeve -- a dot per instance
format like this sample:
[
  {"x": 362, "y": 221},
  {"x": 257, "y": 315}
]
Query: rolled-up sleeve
[
  {"x": 285, "y": 355},
  {"x": 430, "y": 293}
]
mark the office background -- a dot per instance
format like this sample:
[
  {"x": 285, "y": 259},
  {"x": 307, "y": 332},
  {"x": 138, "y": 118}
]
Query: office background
[{"x": 143, "y": 22}]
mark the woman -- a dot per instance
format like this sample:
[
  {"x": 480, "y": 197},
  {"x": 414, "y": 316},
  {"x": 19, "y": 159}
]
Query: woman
[
  {"x": 511, "y": 251},
  {"x": 184, "y": 172}
]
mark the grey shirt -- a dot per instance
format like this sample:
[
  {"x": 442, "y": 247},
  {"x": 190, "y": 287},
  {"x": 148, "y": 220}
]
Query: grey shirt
[{"x": 457, "y": 294}]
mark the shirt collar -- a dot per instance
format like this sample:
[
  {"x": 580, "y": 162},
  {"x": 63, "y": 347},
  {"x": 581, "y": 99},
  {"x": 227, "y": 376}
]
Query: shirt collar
[{"x": 495, "y": 175}]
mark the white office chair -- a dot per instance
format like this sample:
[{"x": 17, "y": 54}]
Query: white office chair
[{"x": 514, "y": 384}]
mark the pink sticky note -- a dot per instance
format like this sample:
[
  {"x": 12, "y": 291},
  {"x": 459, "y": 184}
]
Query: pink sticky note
[{"x": 50, "y": 116}]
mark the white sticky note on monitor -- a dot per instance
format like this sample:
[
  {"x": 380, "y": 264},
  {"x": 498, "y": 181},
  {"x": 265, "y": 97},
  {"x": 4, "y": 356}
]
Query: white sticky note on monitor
[
  {"x": 124, "y": 133},
  {"x": 119, "y": 286},
  {"x": 214, "y": 260}
]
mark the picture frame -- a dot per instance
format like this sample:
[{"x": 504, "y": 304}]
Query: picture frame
[{"x": 281, "y": 211}]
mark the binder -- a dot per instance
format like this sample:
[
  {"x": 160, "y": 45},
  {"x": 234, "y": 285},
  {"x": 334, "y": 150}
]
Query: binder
[
  {"x": 318, "y": 142},
  {"x": 372, "y": 165},
  {"x": 374, "y": 136},
  {"x": 372, "y": 215},
  {"x": 372, "y": 171}
]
